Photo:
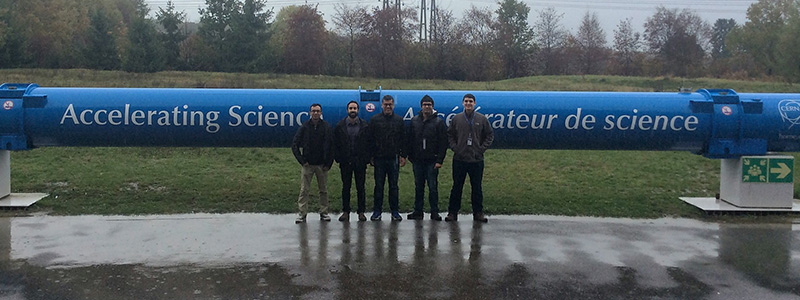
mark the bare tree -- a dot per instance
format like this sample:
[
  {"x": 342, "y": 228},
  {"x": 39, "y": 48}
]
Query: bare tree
[
  {"x": 550, "y": 37},
  {"x": 476, "y": 36},
  {"x": 383, "y": 48},
  {"x": 627, "y": 45},
  {"x": 591, "y": 40},
  {"x": 351, "y": 22},
  {"x": 443, "y": 47}
]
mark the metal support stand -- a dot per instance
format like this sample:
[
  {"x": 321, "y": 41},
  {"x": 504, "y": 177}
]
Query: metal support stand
[
  {"x": 8, "y": 199},
  {"x": 753, "y": 184}
]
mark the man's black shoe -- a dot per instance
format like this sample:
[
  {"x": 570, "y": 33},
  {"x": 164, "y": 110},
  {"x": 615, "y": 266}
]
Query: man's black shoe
[
  {"x": 451, "y": 217},
  {"x": 415, "y": 216},
  {"x": 436, "y": 217},
  {"x": 479, "y": 217}
]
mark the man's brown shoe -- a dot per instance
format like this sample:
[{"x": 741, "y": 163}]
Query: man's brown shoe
[
  {"x": 451, "y": 217},
  {"x": 479, "y": 217},
  {"x": 362, "y": 217},
  {"x": 345, "y": 217}
]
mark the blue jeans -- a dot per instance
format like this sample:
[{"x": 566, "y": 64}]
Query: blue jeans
[
  {"x": 425, "y": 172},
  {"x": 386, "y": 167},
  {"x": 460, "y": 171}
]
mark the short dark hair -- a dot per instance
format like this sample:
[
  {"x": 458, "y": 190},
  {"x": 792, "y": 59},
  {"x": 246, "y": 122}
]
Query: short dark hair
[
  {"x": 388, "y": 98},
  {"x": 315, "y": 104},
  {"x": 351, "y": 102},
  {"x": 468, "y": 96},
  {"x": 426, "y": 98}
]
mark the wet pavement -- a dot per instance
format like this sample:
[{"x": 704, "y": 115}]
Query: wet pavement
[{"x": 258, "y": 256}]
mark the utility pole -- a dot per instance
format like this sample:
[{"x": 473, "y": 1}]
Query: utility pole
[
  {"x": 434, "y": 17},
  {"x": 423, "y": 23}
]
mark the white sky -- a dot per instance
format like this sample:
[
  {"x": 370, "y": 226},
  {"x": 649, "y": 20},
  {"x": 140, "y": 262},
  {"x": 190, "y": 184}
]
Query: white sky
[{"x": 610, "y": 12}]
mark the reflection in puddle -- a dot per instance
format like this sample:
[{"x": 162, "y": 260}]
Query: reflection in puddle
[{"x": 268, "y": 256}]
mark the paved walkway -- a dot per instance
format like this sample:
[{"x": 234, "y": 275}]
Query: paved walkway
[{"x": 235, "y": 256}]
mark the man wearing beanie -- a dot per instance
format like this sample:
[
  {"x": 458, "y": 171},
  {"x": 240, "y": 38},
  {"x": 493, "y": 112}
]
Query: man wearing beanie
[{"x": 427, "y": 149}]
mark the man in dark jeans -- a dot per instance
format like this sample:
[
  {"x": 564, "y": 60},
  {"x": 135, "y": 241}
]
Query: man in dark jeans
[
  {"x": 352, "y": 153},
  {"x": 427, "y": 140},
  {"x": 388, "y": 139},
  {"x": 469, "y": 135},
  {"x": 313, "y": 148}
]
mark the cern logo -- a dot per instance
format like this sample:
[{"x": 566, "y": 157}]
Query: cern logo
[{"x": 790, "y": 111}]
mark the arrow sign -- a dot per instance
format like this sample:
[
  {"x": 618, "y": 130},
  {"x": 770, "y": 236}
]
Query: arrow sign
[{"x": 782, "y": 170}]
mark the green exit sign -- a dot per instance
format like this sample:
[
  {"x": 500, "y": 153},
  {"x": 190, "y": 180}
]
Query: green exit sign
[{"x": 767, "y": 170}]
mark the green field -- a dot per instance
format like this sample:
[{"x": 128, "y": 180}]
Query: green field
[{"x": 184, "y": 180}]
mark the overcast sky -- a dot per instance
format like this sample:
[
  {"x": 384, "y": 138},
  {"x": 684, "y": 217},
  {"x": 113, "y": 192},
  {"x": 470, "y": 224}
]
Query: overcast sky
[{"x": 610, "y": 12}]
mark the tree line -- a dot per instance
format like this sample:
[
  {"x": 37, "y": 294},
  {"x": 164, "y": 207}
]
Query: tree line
[{"x": 484, "y": 44}]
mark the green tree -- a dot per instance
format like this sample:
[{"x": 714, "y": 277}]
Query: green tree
[
  {"x": 101, "y": 44},
  {"x": 235, "y": 32},
  {"x": 12, "y": 39},
  {"x": 720, "y": 31},
  {"x": 759, "y": 37},
  {"x": 788, "y": 55},
  {"x": 143, "y": 52},
  {"x": 214, "y": 32},
  {"x": 514, "y": 37},
  {"x": 47, "y": 47},
  {"x": 173, "y": 35},
  {"x": 249, "y": 35}
]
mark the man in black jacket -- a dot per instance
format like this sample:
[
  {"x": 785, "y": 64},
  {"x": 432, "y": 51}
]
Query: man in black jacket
[
  {"x": 313, "y": 148},
  {"x": 388, "y": 139},
  {"x": 427, "y": 139},
  {"x": 352, "y": 153}
]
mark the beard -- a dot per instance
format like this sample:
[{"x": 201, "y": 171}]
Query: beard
[{"x": 352, "y": 114}]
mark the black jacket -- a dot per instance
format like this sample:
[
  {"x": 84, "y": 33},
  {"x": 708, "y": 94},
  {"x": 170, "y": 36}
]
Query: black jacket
[
  {"x": 341, "y": 142},
  {"x": 427, "y": 140},
  {"x": 388, "y": 136},
  {"x": 316, "y": 142}
]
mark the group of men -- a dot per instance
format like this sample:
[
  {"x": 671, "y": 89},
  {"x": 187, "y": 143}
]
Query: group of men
[{"x": 384, "y": 142}]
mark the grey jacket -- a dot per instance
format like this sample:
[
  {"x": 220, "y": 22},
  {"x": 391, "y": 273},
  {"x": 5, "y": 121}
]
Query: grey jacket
[{"x": 458, "y": 134}]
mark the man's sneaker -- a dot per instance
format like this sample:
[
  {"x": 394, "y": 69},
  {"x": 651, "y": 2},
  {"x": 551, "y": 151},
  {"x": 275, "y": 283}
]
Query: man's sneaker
[
  {"x": 479, "y": 217},
  {"x": 345, "y": 217},
  {"x": 396, "y": 216},
  {"x": 417, "y": 215},
  {"x": 376, "y": 216},
  {"x": 299, "y": 220},
  {"x": 451, "y": 217},
  {"x": 436, "y": 217},
  {"x": 361, "y": 217},
  {"x": 324, "y": 217}
]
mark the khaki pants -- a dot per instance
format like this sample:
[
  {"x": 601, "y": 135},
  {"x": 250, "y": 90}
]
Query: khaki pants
[{"x": 305, "y": 184}]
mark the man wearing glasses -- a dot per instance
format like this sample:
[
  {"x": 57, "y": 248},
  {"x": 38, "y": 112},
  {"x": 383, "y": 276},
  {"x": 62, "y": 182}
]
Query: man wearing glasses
[
  {"x": 428, "y": 146},
  {"x": 313, "y": 148}
]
